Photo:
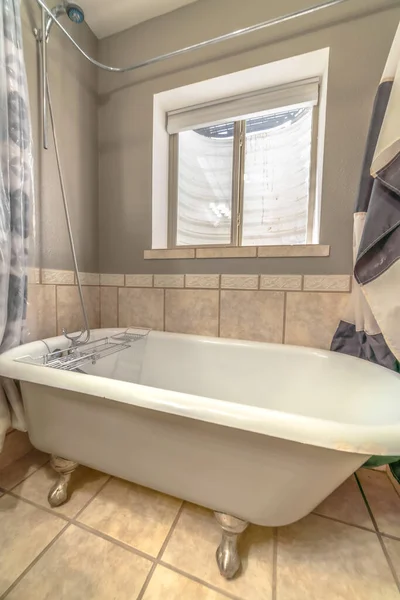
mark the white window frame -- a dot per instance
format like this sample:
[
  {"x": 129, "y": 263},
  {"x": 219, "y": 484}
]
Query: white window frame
[{"x": 184, "y": 119}]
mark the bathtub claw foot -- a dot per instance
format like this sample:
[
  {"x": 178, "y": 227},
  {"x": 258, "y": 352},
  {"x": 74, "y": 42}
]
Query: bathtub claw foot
[
  {"x": 227, "y": 555},
  {"x": 58, "y": 494}
]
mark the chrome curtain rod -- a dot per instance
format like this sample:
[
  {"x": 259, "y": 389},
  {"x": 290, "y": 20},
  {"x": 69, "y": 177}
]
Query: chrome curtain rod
[{"x": 216, "y": 40}]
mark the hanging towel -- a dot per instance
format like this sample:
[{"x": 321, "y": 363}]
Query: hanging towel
[{"x": 370, "y": 329}]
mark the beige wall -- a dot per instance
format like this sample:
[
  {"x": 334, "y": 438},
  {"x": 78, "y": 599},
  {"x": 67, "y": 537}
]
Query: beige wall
[
  {"x": 74, "y": 90},
  {"x": 359, "y": 34}
]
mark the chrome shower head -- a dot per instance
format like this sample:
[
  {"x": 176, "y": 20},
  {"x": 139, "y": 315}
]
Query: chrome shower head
[{"x": 73, "y": 11}]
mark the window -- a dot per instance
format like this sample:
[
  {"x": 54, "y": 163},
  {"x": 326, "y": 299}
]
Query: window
[{"x": 242, "y": 170}]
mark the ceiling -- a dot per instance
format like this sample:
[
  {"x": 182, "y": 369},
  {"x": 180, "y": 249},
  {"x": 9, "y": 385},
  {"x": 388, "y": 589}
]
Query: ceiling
[{"x": 106, "y": 17}]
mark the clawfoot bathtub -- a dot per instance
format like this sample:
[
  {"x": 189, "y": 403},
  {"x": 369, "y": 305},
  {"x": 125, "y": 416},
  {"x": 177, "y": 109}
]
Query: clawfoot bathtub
[{"x": 258, "y": 433}]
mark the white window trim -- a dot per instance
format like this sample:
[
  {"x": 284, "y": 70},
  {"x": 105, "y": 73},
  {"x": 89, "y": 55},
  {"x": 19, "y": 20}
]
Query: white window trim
[{"x": 312, "y": 64}]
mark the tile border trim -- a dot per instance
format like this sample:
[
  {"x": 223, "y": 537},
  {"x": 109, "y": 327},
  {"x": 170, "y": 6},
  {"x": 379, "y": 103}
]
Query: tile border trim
[{"x": 217, "y": 281}]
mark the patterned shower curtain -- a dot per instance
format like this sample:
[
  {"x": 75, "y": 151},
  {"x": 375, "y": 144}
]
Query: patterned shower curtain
[
  {"x": 16, "y": 198},
  {"x": 371, "y": 327}
]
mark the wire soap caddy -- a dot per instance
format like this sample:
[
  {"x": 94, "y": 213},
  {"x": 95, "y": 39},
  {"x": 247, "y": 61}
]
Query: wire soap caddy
[{"x": 75, "y": 357}]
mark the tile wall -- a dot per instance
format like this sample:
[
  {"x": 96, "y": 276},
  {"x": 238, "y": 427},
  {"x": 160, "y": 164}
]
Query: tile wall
[{"x": 292, "y": 309}]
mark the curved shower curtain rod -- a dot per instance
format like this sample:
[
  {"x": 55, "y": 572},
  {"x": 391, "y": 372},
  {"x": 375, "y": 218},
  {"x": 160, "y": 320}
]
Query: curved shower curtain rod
[{"x": 216, "y": 40}]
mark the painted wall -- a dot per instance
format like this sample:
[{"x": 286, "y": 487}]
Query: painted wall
[
  {"x": 359, "y": 34},
  {"x": 74, "y": 92}
]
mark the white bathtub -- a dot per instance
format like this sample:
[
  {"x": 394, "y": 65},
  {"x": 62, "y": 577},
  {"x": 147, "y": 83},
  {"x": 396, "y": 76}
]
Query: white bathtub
[{"x": 262, "y": 432}]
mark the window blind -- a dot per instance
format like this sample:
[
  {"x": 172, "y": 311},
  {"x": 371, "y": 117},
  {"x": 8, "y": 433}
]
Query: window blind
[{"x": 235, "y": 108}]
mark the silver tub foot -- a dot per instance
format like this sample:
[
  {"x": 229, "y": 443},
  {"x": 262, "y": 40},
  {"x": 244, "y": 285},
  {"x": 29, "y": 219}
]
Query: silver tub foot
[
  {"x": 227, "y": 553},
  {"x": 58, "y": 494}
]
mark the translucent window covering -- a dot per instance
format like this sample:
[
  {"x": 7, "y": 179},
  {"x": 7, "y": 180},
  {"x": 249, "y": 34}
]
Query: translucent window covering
[
  {"x": 277, "y": 182},
  {"x": 235, "y": 108},
  {"x": 204, "y": 189}
]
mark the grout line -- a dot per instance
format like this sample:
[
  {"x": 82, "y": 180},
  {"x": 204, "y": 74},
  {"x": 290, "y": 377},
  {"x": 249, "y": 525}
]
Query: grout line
[
  {"x": 34, "y": 561},
  {"x": 367, "y": 504},
  {"x": 28, "y": 476},
  {"x": 109, "y": 538},
  {"x": 198, "y": 580},
  {"x": 51, "y": 511},
  {"x": 219, "y": 303},
  {"x": 147, "y": 581},
  {"x": 164, "y": 308},
  {"x": 56, "y": 308},
  {"x": 118, "y": 306},
  {"x": 369, "y": 529},
  {"x": 275, "y": 564},
  {"x": 390, "y": 476},
  {"x": 171, "y": 531},
  {"x": 284, "y": 317},
  {"x": 378, "y": 533},
  {"x": 101, "y": 488},
  {"x": 100, "y": 311},
  {"x": 160, "y": 553}
]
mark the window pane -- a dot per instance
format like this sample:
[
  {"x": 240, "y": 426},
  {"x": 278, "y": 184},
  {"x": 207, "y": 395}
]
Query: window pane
[
  {"x": 277, "y": 178},
  {"x": 205, "y": 186}
]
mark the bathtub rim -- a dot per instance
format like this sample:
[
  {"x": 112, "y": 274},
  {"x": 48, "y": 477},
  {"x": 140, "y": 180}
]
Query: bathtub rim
[{"x": 344, "y": 437}]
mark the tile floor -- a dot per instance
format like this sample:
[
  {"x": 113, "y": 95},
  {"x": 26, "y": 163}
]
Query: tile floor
[{"x": 118, "y": 541}]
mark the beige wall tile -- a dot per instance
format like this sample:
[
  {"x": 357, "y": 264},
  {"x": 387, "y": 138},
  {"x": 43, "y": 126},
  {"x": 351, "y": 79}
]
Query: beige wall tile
[
  {"x": 141, "y": 307},
  {"x": 347, "y": 504},
  {"x": 69, "y": 312},
  {"x": 202, "y": 281},
  {"x": 139, "y": 281},
  {"x": 108, "y": 306},
  {"x": 112, "y": 279},
  {"x": 239, "y": 282},
  {"x": 252, "y": 315},
  {"x": 192, "y": 549},
  {"x": 16, "y": 444},
  {"x": 83, "y": 486},
  {"x": 320, "y": 558},
  {"x": 327, "y": 283},
  {"x": 41, "y": 314},
  {"x": 243, "y": 252},
  {"x": 167, "y": 254},
  {"x": 89, "y": 278},
  {"x": 192, "y": 311},
  {"x": 169, "y": 281},
  {"x": 25, "y": 532},
  {"x": 132, "y": 514},
  {"x": 168, "y": 585},
  {"x": 312, "y": 317},
  {"x": 382, "y": 499},
  {"x": 296, "y": 250},
  {"x": 280, "y": 282},
  {"x": 90, "y": 568},
  {"x": 53, "y": 276}
]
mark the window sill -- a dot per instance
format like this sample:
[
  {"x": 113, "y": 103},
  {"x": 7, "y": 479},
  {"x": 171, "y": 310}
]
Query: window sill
[{"x": 307, "y": 250}]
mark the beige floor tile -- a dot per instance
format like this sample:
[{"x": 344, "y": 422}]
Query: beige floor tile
[
  {"x": 84, "y": 484},
  {"x": 166, "y": 584},
  {"x": 22, "y": 468},
  {"x": 82, "y": 566},
  {"x": 393, "y": 548},
  {"x": 192, "y": 549},
  {"x": 319, "y": 558},
  {"x": 16, "y": 445},
  {"x": 382, "y": 499},
  {"x": 347, "y": 504},
  {"x": 24, "y": 532},
  {"x": 132, "y": 514}
]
